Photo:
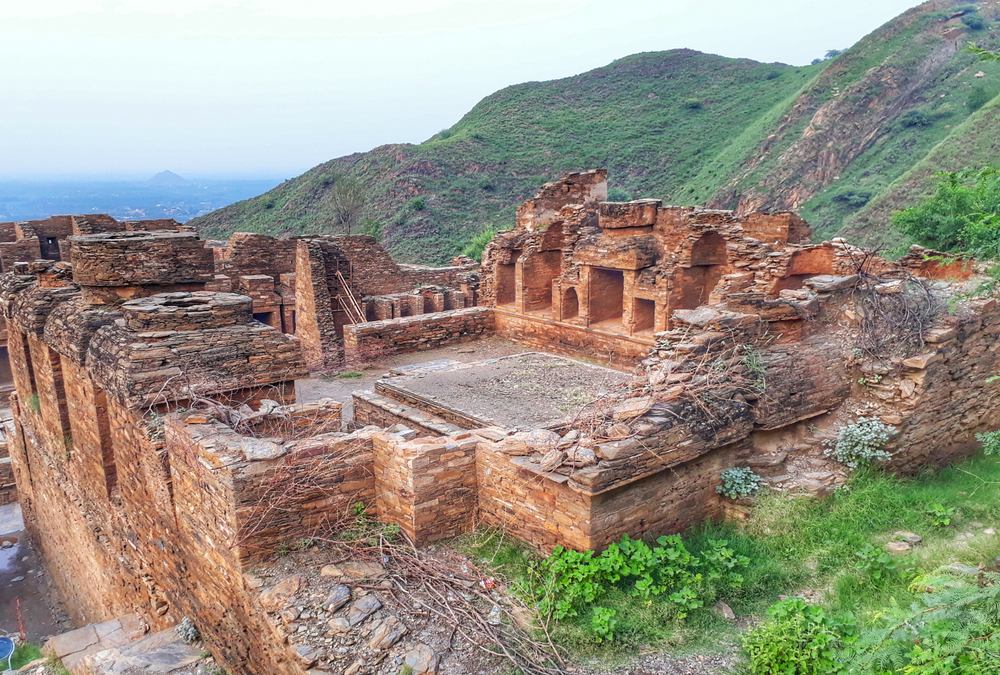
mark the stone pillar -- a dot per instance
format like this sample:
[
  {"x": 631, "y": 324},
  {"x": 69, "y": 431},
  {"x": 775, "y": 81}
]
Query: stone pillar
[{"x": 427, "y": 486}]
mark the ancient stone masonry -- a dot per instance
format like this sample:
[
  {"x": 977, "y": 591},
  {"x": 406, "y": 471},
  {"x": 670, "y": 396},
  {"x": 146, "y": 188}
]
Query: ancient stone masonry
[
  {"x": 348, "y": 280},
  {"x": 48, "y": 239},
  {"x": 159, "y": 453},
  {"x": 263, "y": 268}
]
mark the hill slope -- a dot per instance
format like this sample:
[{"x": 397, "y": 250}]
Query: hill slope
[{"x": 832, "y": 140}]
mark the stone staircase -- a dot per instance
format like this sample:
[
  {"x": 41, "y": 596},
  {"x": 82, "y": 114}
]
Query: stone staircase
[{"x": 123, "y": 646}]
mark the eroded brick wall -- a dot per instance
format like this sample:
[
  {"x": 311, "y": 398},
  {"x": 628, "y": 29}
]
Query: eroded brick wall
[{"x": 417, "y": 333}]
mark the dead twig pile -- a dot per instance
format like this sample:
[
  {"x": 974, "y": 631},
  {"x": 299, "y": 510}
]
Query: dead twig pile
[
  {"x": 451, "y": 589},
  {"x": 896, "y": 309}
]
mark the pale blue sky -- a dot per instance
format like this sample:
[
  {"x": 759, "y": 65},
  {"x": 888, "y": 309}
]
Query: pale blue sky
[{"x": 127, "y": 88}]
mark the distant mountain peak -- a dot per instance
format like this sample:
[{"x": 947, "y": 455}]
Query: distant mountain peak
[{"x": 166, "y": 178}]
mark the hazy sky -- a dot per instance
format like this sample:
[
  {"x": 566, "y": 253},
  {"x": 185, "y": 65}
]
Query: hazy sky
[{"x": 274, "y": 87}]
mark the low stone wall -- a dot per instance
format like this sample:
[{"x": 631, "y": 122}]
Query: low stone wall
[
  {"x": 562, "y": 338},
  {"x": 537, "y": 508},
  {"x": 546, "y": 510},
  {"x": 417, "y": 333},
  {"x": 8, "y": 488},
  {"x": 278, "y": 492}
]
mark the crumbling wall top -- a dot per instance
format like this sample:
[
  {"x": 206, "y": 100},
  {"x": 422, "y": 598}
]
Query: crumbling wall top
[
  {"x": 140, "y": 258},
  {"x": 186, "y": 311}
]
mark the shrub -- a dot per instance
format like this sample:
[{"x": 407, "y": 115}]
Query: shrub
[
  {"x": 187, "y": 631},
  {"x": 371, "y": 227},
  {"x": 739, "y": 482},
  {"x": 853, "y": 198},
  {"x": 990, "y": 441},
  {"x": 859, "y": 444},
  {"x": 798, "y": 639},
  {"x": 474, "y": 249},
  {"x": 573, "y": 580},
  {"x": 960, "y": 216},
  {"x": 33, "y": 403},
  {"x": 616, "y": 194},
  {"x": 692, "y": 104},
  {"x": 418, "y": 204},
  {"x": 914, "y": 118},
  {"x": 974, "y": 21}
]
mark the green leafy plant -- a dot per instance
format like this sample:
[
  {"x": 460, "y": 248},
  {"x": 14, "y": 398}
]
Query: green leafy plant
[
  {"x": 34, "y": 405},
  {"x": 876, "y": 563},
  {"x": 603, "y": 623},
  {"x": 574, "y": 580},
  {"x": 474, "y": 249},
  {"x": 940, "y": 516},
  {"x": 859, "y": 444},
  {"x": 739, "y": 482},
  {"x": 418, "y": 204},
  {"x": 990, "y": 441},
  {"x": 350, "y": 374},
  {"x": 797, "y": 639},
  {"x": 692, "y": 104}
]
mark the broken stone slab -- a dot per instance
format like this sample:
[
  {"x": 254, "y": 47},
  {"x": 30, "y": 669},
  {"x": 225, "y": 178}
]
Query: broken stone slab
[
  {"x": 255, "y": 449},
  {"x": 827, "y": 283},
  {"x": 552, "y": 460},
  {"x": 939, "y": 335},
  {"x": 361, "y": 570},
  {"x": 767, "y": 461},
  {"x": 537, "y": 438},
  {"x": 308, "y": 655},
  {"x": 339, "y": 625},
  {"x": 724, "y": 610},
  {"x": 363, "y": 608},
  {"x": 339, "y": 596},
  {"x": 922, "y": 361},
  {"x": 277, "y": 597},
  {"x": 897, "y": 547},
  {"x": 618, "y": 449},
  {"x": 422, "y": 660},
  {"x": 387, "y": 633},
  {"x": 162, "y": 652}
]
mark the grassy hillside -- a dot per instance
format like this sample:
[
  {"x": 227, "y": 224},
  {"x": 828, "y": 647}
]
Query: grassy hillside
[{"x": 690, "y": 128}]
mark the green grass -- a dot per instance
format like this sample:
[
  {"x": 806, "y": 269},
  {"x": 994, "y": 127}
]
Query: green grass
[
  {"x": 350, "y": 374},
  {"x": 794, "y": 545},
  {"x": 24, "y": 654}
]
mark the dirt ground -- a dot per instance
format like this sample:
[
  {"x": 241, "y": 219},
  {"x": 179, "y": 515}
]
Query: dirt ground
[
  {"x": 521, "y": 392},
  {"x": 340, "y": 388},
  {"x": 23, "y": 582}
]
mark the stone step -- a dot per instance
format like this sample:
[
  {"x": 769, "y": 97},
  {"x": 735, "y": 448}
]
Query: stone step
[
  {"x": 406, "y": 414},
  {"x": 162, "y": 652},
  {"x": 74, "y": 646}
]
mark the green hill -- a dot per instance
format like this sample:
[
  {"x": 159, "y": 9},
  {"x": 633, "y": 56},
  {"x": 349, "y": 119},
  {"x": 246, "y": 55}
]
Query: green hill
[{"x": 841, "y": 142}]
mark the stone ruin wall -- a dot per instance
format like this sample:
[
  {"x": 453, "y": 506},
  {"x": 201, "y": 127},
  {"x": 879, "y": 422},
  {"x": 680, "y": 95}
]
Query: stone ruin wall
[{"x": 135, "y": 507}]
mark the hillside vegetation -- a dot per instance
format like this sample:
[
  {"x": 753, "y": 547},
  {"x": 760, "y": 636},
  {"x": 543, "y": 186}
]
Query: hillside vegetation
[{"x": 844, "y": 141}]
